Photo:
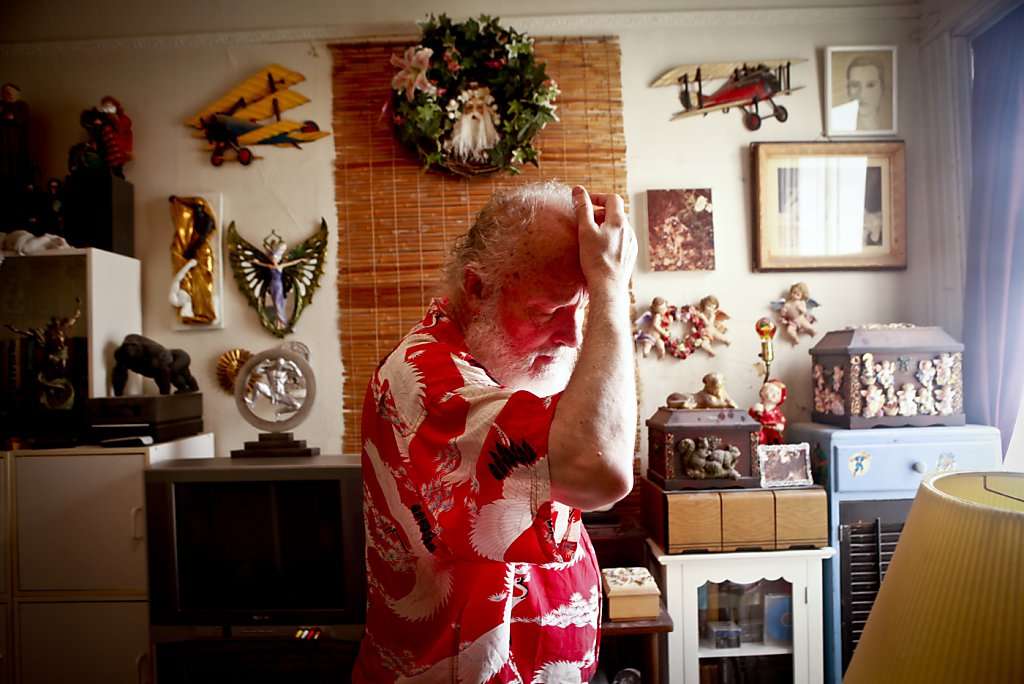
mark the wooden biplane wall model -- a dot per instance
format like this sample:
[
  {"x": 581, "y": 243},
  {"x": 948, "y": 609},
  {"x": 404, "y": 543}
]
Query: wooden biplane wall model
[
  {"x": 232, "y": 121},
  {"x": 746, "y": 86}
]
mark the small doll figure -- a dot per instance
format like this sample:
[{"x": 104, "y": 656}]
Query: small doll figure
[
  {"x": 653, "y": 329},
  {"x": 708, "y": 323},
  {"x": 885, "y": 372},
  {"x": 118, "y": 140},
  {"x": 795, "y": 312},
  {"x": 944, "y": 400},
  {"x": 908, "y": 400},
  {"x": 926, "y": 373},
  {"x": 768, "y": 412},
  {"x": 892, "y": 402},
  {"x": 874, "y": 401},
  {"x": 867, "y": 373},
  {"x": 925, "y": 401}
]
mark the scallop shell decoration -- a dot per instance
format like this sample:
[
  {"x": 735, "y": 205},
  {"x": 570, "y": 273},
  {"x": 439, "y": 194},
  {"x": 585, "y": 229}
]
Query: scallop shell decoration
[{"x": 228, "y": 365}]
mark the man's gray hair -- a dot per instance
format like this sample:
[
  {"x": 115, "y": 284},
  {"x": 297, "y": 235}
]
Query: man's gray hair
[{"x": 488, "y": 247}]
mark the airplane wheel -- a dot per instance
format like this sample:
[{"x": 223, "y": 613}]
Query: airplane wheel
[
  {"x": 309, "y": 127},
  {"x": 781, "y": 114},
  {"x": 245, "y": 156},
  {"x": 752, "y": 121},
  {"x": 216, "y": 159}
]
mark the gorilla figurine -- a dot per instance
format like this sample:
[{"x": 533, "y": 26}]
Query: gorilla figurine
[{"x": 149, "y": 358}]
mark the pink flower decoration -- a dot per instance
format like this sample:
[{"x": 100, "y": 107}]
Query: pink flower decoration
[{"x": 413, "y": 74}]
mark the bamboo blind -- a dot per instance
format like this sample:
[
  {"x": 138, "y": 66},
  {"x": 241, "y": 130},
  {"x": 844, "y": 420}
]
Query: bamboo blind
[{"x": 397, "y": 223}]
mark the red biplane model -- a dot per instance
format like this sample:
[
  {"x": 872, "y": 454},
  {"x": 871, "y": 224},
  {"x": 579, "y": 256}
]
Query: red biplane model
[{"x": 746, "y": 86}]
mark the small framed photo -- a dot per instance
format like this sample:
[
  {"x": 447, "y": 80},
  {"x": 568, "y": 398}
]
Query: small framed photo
[
  {"x": 785, "y": 465},
  {"x": 860, "y": 90}
]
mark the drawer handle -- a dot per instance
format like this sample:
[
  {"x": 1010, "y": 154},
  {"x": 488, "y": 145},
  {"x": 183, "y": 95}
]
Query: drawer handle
[
  {"x": 136, "y": 527},
  {"x": 919, "y": 466}
]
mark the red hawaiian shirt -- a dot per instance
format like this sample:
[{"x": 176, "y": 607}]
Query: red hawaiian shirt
[{"x": 474, "y": 574}]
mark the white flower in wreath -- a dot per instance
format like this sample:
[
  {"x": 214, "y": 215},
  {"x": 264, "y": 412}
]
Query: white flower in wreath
[{"x": 476, "y": 119}]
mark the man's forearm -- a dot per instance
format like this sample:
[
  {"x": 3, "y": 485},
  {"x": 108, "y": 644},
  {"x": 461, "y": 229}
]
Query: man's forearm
[{"x": 592, "y": 435}]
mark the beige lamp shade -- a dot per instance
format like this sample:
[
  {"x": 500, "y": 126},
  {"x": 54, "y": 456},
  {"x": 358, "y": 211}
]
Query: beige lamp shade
[{"x": 951, "y": 607}]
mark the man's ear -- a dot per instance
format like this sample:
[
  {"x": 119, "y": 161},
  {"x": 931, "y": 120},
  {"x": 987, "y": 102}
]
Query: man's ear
[{"x": 473, "y": 286}]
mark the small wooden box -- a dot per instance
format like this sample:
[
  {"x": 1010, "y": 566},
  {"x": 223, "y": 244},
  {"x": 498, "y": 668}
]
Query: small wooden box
[
  {"x": 726, "y": 428},
  {"x": 889, "y": 376},
  {"x": 632, "y": 594},
  {"x": 736, "y": 519}
]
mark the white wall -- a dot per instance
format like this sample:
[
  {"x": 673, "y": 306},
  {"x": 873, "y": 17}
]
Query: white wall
[{"x": 290, "y": 190}]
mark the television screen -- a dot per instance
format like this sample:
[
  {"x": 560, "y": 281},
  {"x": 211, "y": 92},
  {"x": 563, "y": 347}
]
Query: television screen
[{"x": 272, "y": 545}]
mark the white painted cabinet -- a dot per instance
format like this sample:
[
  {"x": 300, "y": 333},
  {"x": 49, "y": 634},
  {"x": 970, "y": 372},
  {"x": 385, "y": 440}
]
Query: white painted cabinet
[
  {"x": 790, "y": 600},
  {"x": 78, "y": 589}
]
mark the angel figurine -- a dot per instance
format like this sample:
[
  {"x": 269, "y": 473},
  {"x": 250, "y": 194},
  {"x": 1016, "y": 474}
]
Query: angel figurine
[
  {"x": 708, "y": 324},
  {"x": 653, "y": 328},
  {"x": 795, "y": 312},
  {"x": 279, "y": 283}
]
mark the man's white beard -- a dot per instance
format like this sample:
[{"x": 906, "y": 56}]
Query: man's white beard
[
  {"x": 472, "y": 136},
  {"x": 489, "y": 344}
]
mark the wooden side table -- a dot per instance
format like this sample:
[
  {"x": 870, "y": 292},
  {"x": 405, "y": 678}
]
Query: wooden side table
[
  {"x": 682, "y": 575},
  {"x": 651, "y": 629}
]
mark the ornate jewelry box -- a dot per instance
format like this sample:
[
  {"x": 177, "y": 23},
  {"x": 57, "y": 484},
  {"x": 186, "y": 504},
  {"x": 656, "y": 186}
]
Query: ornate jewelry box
[
  {"x": 888, "y": 375},
  {"x": 702, "y": 448},
  {"x": 632, "y": 594}
]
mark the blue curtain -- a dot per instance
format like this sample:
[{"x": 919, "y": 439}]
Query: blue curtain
[{"x": 994, "y": 297}]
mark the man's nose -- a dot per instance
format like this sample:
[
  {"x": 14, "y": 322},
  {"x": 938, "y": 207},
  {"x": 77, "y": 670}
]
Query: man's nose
[{"x": 567, "y": 329}]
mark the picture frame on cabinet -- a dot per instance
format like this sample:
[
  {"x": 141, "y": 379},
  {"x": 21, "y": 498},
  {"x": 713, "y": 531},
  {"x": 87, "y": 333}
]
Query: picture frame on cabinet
[
  {"x": 785, "y": 465},
  {"x": 829, "y": 206},
  {"x": 860, "y": 90}
]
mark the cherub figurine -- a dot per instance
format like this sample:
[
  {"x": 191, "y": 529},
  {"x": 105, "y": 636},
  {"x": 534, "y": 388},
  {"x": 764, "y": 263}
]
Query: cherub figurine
[
  {"x": 795, "y": 312},
  {"x": 874, "y": 401},
  {"x": 908, "y": 399},
  {"x": 708, "y": 324},
  {"x": 713, "y": 396},
  {"x": 768, "y": 411},
  {"x": 653, "y": 328}
]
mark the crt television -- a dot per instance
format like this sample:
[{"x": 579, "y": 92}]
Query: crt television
[{"x": 268, "y": 541}]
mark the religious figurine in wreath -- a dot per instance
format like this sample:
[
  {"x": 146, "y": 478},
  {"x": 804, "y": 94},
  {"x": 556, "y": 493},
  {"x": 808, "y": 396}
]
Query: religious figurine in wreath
[
  {"x": 149, "y": 358},
  {"x": 279, "y": 283},
  {"x": 55, "y": 388},
  {"x": 708, "y": 324},
  {"x": 795, "y": 312},
  {"x": 768, "y": 412},
  {"x": 713, "y": 396},
  {"x": 704, "y": 458}
]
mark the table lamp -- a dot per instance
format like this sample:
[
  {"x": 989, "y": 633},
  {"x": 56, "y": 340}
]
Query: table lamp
[{"x": 951, "y": 607}]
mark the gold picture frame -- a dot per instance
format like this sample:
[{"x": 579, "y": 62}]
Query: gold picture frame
[{"x": 829, "y": 206}]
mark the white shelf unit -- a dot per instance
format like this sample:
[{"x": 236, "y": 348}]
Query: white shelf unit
[
  {"x": 683, "y": 574},
  {"x": 75, "y": 588},
  {"x": 706, "y": 650},
  {"x": 108, "y": 285}
]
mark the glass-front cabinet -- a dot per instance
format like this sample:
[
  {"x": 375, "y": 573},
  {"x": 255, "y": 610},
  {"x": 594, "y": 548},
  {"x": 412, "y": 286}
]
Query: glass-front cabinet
[{"x": 743, "y": 617}]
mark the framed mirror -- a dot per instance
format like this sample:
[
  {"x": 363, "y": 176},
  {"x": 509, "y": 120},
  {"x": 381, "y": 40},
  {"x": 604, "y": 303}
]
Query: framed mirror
[{"x": 838, "y": 206}]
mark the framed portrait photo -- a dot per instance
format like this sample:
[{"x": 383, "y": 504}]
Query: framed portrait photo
[
  {"x": 829, "y": 206},
  {"x": 785, "y": 465},
  {"x": 860, "y": 90}
]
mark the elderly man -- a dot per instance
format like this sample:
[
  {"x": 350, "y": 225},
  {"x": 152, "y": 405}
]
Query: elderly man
[{"x": 485, "y": 432}]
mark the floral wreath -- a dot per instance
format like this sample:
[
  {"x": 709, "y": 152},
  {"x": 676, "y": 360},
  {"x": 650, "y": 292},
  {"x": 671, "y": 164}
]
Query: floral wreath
[{"x": 470, "y": 97}]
